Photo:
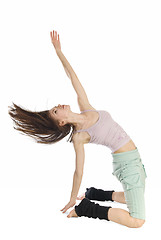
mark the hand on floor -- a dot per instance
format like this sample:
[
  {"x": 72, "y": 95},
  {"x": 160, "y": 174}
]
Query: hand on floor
[{"x": 69, "y": 205}]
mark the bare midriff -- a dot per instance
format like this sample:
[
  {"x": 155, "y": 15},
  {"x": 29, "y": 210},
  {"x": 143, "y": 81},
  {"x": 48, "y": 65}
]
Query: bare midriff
[{"x": 127, "y": 147}]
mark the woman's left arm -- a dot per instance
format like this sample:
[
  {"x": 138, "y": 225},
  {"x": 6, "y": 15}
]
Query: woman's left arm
[
  {"x": 78, "y": 174},
  {"x": 77, "y": 179}
]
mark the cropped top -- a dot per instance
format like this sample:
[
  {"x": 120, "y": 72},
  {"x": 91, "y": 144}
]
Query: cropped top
[{"x": 106, "y": 132}]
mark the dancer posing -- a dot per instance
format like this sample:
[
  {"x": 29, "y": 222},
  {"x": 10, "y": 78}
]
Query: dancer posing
[{"x": 90, "y": 126}]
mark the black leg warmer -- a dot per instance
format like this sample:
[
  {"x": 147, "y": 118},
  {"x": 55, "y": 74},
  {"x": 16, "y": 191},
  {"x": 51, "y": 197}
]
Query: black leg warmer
[
  {"x": 92, "y": 210},
  {"x": 98, "y": 194}
]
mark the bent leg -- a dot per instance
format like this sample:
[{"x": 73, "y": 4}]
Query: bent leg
[
  {"x": 90, "y": 209},
  {"x": 123, "y": 217}
]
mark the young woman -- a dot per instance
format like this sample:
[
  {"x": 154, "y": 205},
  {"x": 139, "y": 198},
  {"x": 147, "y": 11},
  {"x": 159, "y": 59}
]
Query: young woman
[{"x": 90, "y": 126}]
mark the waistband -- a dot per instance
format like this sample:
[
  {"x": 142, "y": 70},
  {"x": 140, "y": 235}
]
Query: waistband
[{"x": 126, "y": 156}]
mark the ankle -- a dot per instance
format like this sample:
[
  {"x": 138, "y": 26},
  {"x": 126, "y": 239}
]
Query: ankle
[
  {"x": 114, "y": 196},
  {"x": 118, "y": 197}
]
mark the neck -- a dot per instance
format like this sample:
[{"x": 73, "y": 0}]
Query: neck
[{"x": 78, "y": 120}]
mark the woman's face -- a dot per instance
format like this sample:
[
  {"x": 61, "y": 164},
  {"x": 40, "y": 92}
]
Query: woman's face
[{"x": 60, "y": 113}]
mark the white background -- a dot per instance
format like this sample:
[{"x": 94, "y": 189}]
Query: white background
[{"x": 115, "y": 49}]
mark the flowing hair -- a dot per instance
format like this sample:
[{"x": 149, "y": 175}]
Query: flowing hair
[{"x": 39, "y": 125}]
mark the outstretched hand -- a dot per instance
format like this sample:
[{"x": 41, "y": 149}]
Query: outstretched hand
[{"x": 55, "y": 40}]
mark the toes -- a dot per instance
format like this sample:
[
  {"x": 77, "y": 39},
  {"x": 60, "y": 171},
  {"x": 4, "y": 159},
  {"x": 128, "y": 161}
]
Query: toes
[{"x": 69, "y": 215}]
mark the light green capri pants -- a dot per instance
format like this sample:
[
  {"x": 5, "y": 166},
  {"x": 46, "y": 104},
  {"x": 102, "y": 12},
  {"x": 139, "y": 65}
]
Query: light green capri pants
[{"x": 129, "y": 170}]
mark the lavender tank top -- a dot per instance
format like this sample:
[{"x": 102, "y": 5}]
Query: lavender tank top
[{"x": 106, "y": 132}]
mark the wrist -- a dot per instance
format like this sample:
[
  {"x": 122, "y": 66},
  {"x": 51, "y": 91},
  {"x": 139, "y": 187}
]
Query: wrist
[
  {"x": 73, "y": 199},
  {"x": 57, "y": 50}
]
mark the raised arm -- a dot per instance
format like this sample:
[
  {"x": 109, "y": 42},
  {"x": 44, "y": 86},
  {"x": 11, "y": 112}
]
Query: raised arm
[
  {"x": 81, "y": 94},
  {"x": 72, "y": 75}
]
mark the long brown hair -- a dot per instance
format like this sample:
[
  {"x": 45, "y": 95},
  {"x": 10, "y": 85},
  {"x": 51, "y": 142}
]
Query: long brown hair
[{"x": 39, "y": 125}]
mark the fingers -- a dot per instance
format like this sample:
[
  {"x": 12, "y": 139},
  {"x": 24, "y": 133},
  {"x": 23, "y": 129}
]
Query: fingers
[
  {"x": 64, "y": 209},
  {"x": 70, "y": 204},
  {"x": 52, "y": 35},
  {"x": 70, "y": 214}
]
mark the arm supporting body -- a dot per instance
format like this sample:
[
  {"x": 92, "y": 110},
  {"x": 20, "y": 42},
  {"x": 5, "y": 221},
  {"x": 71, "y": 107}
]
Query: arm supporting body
[
  {"x": 79, "y": 166},
  {"x": 77, "y": 179}
]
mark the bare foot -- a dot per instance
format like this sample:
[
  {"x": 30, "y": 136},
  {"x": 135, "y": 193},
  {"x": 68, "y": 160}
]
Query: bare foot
[
  {"x": 81, "y": 196},
  {"x": 72, "y": 214}
]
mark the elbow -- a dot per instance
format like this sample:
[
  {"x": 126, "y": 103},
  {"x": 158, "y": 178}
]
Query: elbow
[{"x": 79, "y": 173}]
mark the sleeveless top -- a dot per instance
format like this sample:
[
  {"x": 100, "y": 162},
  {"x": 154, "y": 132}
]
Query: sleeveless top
[{"x": 106, "y": 132}]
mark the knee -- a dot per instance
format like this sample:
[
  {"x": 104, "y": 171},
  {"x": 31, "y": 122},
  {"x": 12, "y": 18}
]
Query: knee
[
  {"x": 140, "y": 223},
  {"x": 137, "y": 223}
]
